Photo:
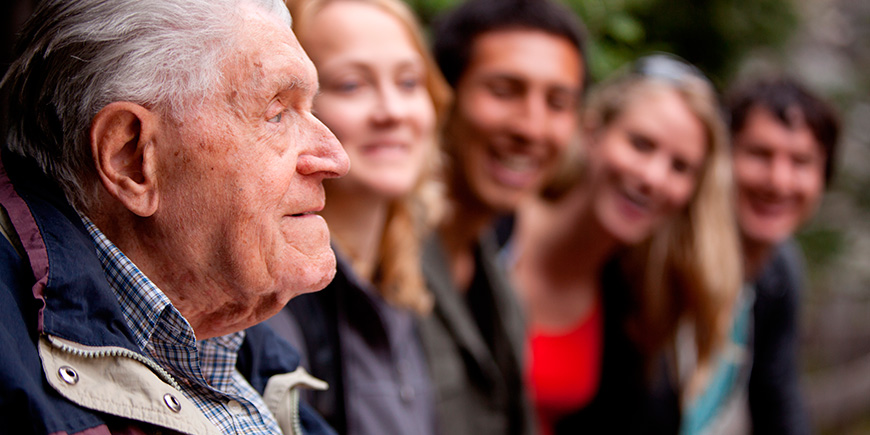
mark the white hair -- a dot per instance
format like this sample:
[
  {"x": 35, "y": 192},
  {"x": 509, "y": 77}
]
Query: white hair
[{"x": 75, "y": 57}]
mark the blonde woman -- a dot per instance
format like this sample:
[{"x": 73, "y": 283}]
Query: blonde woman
[
  {"x": 632, "y": 246},
  {"x": 381, "y": 95}
]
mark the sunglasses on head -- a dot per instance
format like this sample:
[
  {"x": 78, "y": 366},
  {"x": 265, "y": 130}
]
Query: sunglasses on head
[{"x": 668, "y": 67}]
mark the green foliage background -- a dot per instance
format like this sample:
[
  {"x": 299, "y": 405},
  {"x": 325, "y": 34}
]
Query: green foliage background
[{"x": 713, "y": 34}]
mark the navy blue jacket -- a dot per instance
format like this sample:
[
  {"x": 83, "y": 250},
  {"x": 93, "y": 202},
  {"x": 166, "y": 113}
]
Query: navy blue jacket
[
  {"x": 775, "y": 400},
  {"x": 59, "y": 314}
]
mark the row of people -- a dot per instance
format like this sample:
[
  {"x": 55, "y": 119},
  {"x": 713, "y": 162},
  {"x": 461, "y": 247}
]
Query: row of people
[
  {"x": 611, "y": 301},
  {"x": 613, "y": 297},
  {"x": 420, "y": 316}
]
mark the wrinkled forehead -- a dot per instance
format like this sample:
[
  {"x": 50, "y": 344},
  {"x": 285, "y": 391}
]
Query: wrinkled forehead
[{"x": 267, "y": 59}]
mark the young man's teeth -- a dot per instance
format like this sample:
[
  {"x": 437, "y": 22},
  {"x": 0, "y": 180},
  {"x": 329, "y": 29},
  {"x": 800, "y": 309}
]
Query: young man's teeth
[{"x": 517, "y": 162}]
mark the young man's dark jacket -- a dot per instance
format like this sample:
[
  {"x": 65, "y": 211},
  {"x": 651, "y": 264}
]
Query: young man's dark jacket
[{"x": 68, "y": 363}]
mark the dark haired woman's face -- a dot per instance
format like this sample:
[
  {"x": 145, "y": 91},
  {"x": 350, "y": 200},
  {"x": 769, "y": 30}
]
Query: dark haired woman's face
[
  {"x": 780, "y": 173},
  {"x": 516, "y": 112}
]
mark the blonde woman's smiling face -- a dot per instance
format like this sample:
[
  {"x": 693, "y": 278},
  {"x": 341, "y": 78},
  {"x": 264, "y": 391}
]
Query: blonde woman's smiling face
[
  {"x": 373, "y": 96},
  {"x": 645, "y": 164}
]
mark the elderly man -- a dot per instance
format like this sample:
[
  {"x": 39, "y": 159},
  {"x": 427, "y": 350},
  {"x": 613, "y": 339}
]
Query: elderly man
[{"x": 159, "y": 191}]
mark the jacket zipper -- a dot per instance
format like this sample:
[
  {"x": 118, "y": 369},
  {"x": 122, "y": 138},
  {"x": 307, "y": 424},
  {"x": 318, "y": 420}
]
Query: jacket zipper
[
  {"x": 294, "y": 407},
  {"x": 117, "y": 352}
]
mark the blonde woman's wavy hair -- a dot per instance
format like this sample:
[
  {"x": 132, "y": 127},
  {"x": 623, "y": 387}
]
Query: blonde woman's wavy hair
[
  {"x": 691, "y": 266},
  {"x": 398, "y": 275}
]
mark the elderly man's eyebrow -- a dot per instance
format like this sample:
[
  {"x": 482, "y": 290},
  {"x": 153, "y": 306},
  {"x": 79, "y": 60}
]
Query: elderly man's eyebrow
[
  {"x": 294, "y": 82},
  {"x": 268, "y": 86}
]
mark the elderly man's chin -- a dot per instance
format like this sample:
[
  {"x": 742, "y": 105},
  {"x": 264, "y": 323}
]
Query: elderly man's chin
[
  {"x": 317, "y": 275},
  {"x": 310, "y": 263}
]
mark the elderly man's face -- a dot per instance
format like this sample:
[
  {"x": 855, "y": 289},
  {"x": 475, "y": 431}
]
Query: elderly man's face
[{"x": 243, "y": 186}]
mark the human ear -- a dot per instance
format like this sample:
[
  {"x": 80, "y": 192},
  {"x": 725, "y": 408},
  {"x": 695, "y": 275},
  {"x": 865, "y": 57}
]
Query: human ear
[{"x": 122, "y": 145}]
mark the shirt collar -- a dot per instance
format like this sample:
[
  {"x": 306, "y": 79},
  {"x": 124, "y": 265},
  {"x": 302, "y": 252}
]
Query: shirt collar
[
  {"x": 141, "y": 301},
  {"x": 206, "y": 368}
]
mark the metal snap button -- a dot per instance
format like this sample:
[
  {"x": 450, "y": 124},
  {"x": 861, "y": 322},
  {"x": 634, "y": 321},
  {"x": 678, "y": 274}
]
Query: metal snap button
[
  {"x": 172, "y": 403},
  {"x": 234, "y": 407},
  {"x": 68, "y": 375}
]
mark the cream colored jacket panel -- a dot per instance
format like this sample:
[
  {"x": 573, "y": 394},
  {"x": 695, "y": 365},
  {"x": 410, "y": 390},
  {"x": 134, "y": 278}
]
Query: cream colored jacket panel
[
  {"x": 109, "y": 380},
  {"x": 122, "y": 383}
]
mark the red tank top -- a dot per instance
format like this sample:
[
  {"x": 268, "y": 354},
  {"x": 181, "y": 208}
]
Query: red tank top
[{"x": 565, "y": 368}]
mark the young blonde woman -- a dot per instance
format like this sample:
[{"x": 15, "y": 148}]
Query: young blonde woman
[
  {"x": 381, "y": 95},
  {"x": 635, "y": 244}
]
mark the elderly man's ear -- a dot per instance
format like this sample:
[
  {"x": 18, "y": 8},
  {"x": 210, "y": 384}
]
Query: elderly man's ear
[{"x": 123, "y": 144}]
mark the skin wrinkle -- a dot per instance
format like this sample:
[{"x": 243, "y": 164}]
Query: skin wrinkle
[
  {"x": 256, "y": 83},
  {"x": 237, "y": 180},
  {"x": 236, "y": 103}
]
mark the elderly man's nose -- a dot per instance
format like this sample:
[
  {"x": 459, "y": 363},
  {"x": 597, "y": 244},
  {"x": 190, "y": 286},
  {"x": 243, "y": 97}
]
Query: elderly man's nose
[{"x": 324, "y": 155}]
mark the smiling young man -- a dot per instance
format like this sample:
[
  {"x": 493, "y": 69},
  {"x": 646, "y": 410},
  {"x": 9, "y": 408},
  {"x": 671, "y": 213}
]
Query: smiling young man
[
  {"x": 159, "y": 190},
  {"x": 784, "y": 145},
  {"x": 517, "y": 68}
]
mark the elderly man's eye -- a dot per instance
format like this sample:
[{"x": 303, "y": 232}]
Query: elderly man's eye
[{"x": 277, "y": 118}]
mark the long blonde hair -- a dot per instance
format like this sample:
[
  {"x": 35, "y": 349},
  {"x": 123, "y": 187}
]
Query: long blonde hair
[
  {"x": 692, "y": 269},
  {"x": 398, "y": 275}
]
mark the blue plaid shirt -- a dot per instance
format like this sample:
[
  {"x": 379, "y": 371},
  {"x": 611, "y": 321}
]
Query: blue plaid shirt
[{"x": 206, "y": 369}]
